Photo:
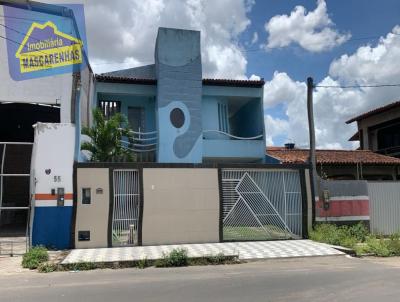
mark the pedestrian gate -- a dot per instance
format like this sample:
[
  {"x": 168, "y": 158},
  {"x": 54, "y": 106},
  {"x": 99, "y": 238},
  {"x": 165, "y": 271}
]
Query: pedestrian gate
[
  {"x": 126, "y": 204},
  {"x": 261, "y": 204}
]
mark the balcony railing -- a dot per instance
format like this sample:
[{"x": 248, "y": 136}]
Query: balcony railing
[
  {"x": 143, "y": 144},
  {"x": 231, "y": 136}
]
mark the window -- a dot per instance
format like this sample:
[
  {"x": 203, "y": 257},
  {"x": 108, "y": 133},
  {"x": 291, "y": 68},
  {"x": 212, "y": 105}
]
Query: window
[
  {"x": 83, "y": 235},
  {"x": 86, "y": 196},
  {"x": 109, "y": 108},
  {"x": 223, "y": 117},
  {"x": 389, "y": 137},
  {"x": 177, "y": 118}
]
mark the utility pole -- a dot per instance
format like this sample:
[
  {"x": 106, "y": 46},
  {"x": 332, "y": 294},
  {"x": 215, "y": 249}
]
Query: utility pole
[{"x": 311, "y": 129}]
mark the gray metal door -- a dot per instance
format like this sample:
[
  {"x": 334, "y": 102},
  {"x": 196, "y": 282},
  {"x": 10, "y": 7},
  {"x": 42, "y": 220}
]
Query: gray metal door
[
  {"x": 136, "y": 118},
  {"x": 125, "y": 217},
  {"x": 261, "y": 204},
  {"x": 384, "y": 207}
]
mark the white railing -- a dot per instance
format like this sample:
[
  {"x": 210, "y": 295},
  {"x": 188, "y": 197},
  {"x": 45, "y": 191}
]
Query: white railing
[
  {"x": 233, "y": 136},
  {"x": 142, "y": 141}
]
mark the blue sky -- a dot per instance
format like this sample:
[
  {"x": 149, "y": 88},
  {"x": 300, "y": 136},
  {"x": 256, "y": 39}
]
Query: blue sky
[{"x": 359, "y": 17}]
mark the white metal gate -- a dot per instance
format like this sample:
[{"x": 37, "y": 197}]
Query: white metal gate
[
  {"x": 125, "y": 218},
  {"x": 261, "y": 204}
]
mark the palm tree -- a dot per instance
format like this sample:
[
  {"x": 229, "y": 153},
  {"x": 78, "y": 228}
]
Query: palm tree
[{"x": 106, "y": 137}]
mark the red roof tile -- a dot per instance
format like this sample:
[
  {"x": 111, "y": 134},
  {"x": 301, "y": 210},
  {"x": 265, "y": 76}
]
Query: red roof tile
[
  {"x": 374, "y": 111},
  {"x": 300, "y": 156}
]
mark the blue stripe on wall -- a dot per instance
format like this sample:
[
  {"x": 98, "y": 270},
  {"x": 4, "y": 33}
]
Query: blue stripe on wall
[{"x": 52, "y": 227}]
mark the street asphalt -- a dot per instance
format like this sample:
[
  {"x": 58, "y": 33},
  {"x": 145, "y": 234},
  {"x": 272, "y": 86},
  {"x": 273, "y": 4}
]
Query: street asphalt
[{"x": 337, "y": 278}]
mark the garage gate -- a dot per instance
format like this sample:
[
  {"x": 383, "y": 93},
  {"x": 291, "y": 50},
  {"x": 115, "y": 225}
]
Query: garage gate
[{"x": 261, "y": 204}]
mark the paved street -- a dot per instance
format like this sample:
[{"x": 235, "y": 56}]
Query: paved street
[{"x": 304, "y": 279}]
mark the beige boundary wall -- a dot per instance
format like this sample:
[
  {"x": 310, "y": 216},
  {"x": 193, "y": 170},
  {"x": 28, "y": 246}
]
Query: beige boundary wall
[
  {"x": 181, "y": 205},
  {"x": 93, "y": 217}
]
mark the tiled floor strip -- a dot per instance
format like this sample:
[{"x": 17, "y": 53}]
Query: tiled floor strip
[{"x": 244, "y": 250}]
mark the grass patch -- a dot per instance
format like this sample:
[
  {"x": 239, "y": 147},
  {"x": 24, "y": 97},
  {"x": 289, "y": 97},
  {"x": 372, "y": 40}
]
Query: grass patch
[
  {"x": 347, "y": 236},
  {"x": 35, "y": 257},
  {"x": 254, "y": 233},
  {"x": 357, "y": 238},
  {"x": 47, "y": 267},
  {"x": 177, "y": 257},
  {"x": 143, "y": 263}
]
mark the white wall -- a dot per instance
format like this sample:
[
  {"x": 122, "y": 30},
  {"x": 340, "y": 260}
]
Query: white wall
[
  {"x": 56, "y": 89},
  {"x": 53, "y": 150}
]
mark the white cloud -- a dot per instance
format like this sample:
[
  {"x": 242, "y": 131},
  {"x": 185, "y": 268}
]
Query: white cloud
[
  {"x": 333, "y": 106},
  {"x": 122, "y": 33},
  {"x": 282, "y": 89},
  {"x": 313, "y": 31},
  {"x": 255, "y": 38},
  {"x": 274, "y": 127}
]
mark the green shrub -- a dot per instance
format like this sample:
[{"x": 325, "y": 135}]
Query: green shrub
[
  {"x": 328, "y": 233},
  {"x": 160, "y": 262},
  {"x": 84, "y": 266},
  {"x": 378, "y": 247},
  {"x": 46, "y": 267},
  {"x": 34, "y": 257},
  {"x": 359, "y": 232},
  {"x": 143, "y": 263},
  {"x": 217, "y": 259},
  {"x": 394, "y": 244},
  {"x": 347, "y": 236},
  {"x": 177, "y": 257}
]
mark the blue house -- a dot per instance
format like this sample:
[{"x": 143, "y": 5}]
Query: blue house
[{"x": 178, "y": 116}]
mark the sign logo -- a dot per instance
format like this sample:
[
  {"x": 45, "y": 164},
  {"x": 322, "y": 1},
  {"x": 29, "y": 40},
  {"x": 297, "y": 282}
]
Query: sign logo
[
  {"x": 45, "y": 43},
  {"x": 53, "y": 49}
]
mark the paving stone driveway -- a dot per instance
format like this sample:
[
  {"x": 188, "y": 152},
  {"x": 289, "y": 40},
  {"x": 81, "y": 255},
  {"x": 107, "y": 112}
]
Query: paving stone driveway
[{"x": 244, "y": 250}]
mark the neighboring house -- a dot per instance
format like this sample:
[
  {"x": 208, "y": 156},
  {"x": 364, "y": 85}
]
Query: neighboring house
[
  {"x": 181, "y": 117},
  {"x": 379, "y": 130},
  {"x": 342, "y": 164},
  {"x": 36, "y": 180}
]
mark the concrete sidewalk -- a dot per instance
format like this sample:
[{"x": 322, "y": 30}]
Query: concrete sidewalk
[{"x": 244, "y": 250}]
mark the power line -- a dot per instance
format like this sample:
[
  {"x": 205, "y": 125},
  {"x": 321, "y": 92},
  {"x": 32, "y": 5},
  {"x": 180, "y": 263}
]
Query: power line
[
  {"x": 357, "y": 86},
  {"x": 21, "y": 33},
  {"x": 18, "y": 43}
]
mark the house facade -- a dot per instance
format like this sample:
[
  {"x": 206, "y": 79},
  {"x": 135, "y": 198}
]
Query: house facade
[
  {"x": 37, "y": 116},
  {"x": 379, "y": 130},
  {"x": 201, "y": 173},
  {"x": 178, "y": 116}
]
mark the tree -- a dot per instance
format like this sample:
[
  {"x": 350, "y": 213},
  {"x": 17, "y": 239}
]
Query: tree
[{"x": 106, "y": 137}]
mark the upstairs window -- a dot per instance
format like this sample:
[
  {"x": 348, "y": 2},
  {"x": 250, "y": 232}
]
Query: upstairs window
[
  {"x": 223, "y": 117},
  {"x": 109, "y": 108}
]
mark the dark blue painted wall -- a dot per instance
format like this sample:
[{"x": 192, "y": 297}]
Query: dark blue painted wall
[
  {"x": 52, "y": 227},
  {"x": 247, "y": 121}
]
